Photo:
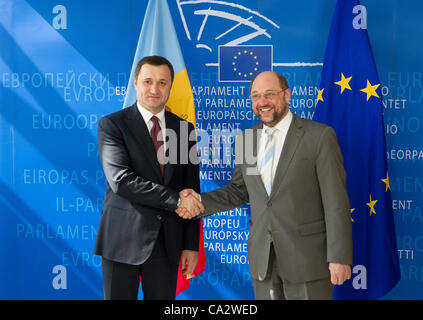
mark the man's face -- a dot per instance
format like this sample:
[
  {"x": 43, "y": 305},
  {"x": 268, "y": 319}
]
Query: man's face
[
  {"x": 153, "y": 87},
  {"x": 270, "y": 101}
]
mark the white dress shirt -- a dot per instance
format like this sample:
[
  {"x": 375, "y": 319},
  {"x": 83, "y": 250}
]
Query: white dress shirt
[
  {"x": 147, "y": 118},
  {"x": 279, "y": 136}
]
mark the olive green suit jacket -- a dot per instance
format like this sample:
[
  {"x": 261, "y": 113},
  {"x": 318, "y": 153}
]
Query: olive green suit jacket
[{"x": 306, "y": 216}]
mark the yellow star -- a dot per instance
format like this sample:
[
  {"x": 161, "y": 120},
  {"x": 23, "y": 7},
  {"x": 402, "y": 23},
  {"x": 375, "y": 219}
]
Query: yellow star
[
  {"x": 351, "y": 211},
  {"x": 370, "y": 90},
  {"x": 386, "y": 182},
  {"x": 320, "y": 96},
  {"x": 344, "y": 83},
  {"x": 371, "y": 205}
]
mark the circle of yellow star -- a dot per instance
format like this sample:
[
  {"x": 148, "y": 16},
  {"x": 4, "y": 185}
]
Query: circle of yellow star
[
  {"x": 235, "y": 63},
  {"x": 370, "y": 90},
  {"x": 344, "y": 83},
  {"x": 371, "y": 205}
]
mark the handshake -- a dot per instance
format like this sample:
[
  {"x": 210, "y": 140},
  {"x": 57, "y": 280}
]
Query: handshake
[{"x": 190, "y": 205}]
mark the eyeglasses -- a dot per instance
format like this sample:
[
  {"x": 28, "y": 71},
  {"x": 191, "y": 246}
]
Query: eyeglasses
[{"x": 268, "y": 95}]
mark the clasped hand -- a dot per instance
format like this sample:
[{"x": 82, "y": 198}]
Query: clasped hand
[{"x": 190, "y": 205}]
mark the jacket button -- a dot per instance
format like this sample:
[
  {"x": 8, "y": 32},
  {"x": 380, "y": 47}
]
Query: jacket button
[
  {"x": 159, "y": 217},
  {"x": 269, "y": 204}
]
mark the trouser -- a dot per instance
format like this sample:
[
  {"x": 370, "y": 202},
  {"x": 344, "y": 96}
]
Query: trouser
[
  {"x": 158, "y": 274},
  {"x": 274, "y": 288}
]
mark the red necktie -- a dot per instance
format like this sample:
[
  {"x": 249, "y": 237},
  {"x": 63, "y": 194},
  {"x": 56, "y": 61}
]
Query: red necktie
[{"x": 156, "y": 136}]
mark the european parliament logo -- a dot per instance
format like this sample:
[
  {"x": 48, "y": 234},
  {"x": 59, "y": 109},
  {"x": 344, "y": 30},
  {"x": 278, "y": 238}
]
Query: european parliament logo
[{"x": 242, "y": 63}]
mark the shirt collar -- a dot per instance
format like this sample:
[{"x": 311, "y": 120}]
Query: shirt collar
[
  {"x": 282, "y": 125},
  {"x": 147, "y": 114}
]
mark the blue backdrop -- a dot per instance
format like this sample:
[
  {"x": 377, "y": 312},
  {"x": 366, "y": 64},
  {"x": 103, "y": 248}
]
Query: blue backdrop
[{"x": 64, "y": 65}]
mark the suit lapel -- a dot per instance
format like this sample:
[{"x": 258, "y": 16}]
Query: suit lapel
[
  {"x": 138, "y": 127},
  {"x": 292, "y": 140},
  {"x": 252, "y": 162}
]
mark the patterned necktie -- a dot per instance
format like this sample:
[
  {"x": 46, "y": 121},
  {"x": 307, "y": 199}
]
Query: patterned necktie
[
  {"x": 156, "y": 136},
  {"x": 266, "y": 165}
]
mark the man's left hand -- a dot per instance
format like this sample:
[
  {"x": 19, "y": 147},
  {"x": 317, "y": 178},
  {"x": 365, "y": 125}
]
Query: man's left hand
[
  {"x": 189, "y": 260},
  {"x": 339, "y": 272}
]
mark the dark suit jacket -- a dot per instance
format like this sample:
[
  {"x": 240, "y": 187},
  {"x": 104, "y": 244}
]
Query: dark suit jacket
[{"x": 139, "y": 200}]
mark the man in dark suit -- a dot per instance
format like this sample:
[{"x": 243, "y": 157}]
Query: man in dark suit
[
  {"x": 139, "y": 233},
  {"x": 291, "y": 172}
]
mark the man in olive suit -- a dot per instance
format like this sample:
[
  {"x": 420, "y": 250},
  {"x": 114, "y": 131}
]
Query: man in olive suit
[{"x": 300, "y": 242}]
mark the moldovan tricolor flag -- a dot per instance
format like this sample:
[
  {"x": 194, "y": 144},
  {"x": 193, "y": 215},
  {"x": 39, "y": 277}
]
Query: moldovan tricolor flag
[{"x": 158, "y": 37}]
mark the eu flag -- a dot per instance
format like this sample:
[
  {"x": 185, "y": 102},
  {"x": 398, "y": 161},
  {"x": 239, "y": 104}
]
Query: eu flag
[
  {"x": 242, "y": 63},
  {"x": 349, "y": 100}
]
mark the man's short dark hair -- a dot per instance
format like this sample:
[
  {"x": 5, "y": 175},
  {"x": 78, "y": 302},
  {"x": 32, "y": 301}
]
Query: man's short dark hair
[
  {"x": 154, "y": 61},
  {"x": 282, "y": 80}
]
